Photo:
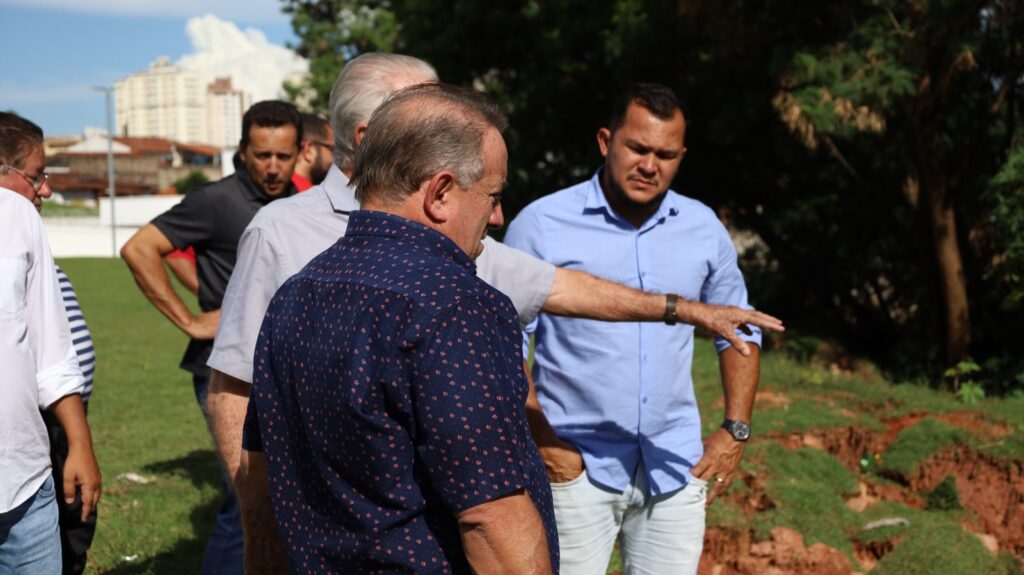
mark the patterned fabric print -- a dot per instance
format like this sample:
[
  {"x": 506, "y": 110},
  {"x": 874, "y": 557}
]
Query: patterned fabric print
[
  {"x": 80, "y": 337},
  {"x": 389, "y": 395}
]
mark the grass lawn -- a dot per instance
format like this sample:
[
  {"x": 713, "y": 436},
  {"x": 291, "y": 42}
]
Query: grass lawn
[{"x": 145, "y": 421}]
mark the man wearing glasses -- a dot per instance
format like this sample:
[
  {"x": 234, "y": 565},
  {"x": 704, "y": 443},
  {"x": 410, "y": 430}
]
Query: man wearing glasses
[
  {"x": 40, "y": 370},
  {"x": 316, "y": 153}
]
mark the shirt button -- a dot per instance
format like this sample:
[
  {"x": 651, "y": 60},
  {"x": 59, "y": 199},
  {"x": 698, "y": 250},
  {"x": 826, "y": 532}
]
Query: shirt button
[{"x": 645, "y": 400}]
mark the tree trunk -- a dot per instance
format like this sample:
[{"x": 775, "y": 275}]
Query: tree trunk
[{"x": 949, "y": 264}]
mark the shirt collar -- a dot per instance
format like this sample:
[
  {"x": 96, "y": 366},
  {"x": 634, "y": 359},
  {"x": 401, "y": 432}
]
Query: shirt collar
[
  {"x": 382, "y": 224},
  {"x": 341, "y": 195},
  {"x": 596, "y": 202}
]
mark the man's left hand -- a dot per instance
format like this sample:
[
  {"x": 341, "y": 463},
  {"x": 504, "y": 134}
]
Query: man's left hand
[{"x": 722, "y": 455}]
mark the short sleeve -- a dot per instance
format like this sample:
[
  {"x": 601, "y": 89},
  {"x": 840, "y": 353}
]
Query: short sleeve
[
  {"x": 190, "y": 222},
  {"x": 253, "y": 283},
  {"x": 526, "y": 280},
  {"x": 469, "y": 396},
  {"x": 724, "y": 285}
]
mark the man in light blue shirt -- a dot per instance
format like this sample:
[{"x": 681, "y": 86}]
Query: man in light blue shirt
[{"x": 621, "y": 393}]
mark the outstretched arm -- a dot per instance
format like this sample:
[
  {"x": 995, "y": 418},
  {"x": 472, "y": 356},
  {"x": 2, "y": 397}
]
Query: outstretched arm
[{"x": 579, "y": 294}]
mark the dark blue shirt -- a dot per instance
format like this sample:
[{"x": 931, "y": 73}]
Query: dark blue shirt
[{"x": 389, "y": 394}]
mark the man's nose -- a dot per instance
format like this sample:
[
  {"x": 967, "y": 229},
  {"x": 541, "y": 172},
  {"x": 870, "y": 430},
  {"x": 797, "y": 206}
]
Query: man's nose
[
  {"x": 648, "y": 164},
  {"x": 497, "y": 218},
  {"x": 44, "y": 190}
]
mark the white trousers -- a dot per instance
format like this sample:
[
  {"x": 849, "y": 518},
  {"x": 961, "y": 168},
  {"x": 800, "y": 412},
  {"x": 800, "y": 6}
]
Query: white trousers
[{"x": 661, "y": 535}]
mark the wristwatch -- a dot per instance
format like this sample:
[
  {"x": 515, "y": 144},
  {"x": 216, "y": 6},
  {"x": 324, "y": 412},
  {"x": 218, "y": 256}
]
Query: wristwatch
[{"x": 740, "y": 430}]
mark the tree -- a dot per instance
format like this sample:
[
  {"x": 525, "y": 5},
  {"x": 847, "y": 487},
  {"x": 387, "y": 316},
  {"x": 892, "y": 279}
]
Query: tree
[
  {"x": 911, "y": 70},
  {"x": 190, "y": 182},
  {"x": 858, "y": 138}
]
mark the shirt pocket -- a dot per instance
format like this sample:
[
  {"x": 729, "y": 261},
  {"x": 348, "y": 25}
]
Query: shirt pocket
[{"x": 13, "y": 274}]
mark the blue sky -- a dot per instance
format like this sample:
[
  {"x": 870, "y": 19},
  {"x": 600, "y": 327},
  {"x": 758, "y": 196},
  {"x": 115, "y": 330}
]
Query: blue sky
[{"x": 56, "y": 50}]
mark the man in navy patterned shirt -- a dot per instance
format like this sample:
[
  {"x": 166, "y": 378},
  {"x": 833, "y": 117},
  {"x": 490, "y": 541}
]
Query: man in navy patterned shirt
[{"x": 389, "y": 387}]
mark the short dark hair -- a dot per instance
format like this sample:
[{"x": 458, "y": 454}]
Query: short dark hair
[
  {"x": 18, "y": 137},
  {"x": 659, "y": 100},
  {"x": 420, "y": 131},
  {"x": 271, "y": 114},
  {"x": 314, "y": 127}
]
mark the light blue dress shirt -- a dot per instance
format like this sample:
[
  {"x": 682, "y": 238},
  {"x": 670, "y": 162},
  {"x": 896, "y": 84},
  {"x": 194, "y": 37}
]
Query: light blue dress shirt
[{"x": 622, "y": 392}]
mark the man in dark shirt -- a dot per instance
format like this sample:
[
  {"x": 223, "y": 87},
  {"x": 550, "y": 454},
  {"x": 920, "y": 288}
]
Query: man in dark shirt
[
  {"x": 211, "y": 219},
  {"x": 389, "y": 387}
]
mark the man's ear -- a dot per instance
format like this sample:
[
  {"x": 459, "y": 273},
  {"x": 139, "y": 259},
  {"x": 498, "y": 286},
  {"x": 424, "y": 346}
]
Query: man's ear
[
  {"x": 307, "y": 151},
  {"x": 604, "y": 138},
  {"x": 438, "y": 191},
  {"x": 360, "y": 133}
]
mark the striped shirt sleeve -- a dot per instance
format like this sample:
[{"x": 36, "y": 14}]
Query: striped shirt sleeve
[{"x": 80, "y": 337}]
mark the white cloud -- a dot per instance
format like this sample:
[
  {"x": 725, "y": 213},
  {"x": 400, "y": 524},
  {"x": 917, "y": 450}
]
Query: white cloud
[
  {"x": 262, "y": 11},
  {"x": 254, "y": 64}
]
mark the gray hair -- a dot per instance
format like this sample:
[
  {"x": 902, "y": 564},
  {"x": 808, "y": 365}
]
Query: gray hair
[
  {"x": 18, "y": 138},
  {"x": 420, "y": 131},
  {"x": 365, "y": 82}
]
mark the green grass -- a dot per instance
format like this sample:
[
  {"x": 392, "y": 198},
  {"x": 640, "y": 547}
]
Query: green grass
[
  {"x": 51, "y": 209},
  {"x": 805, "y": 481},
  {"x": 145, "y": 420},
  {"x": 918, "y": 442},
  {"x": 945, "y": 547}
]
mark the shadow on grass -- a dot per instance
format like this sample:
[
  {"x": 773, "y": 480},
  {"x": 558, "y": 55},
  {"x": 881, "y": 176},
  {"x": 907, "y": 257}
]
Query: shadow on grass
[
  {"x": 200, "y": 466},
  {"x": 186, "y": 556}
]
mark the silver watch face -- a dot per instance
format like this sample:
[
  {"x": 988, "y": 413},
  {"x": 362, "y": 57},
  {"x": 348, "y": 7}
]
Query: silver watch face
[{"x": 740, "y": 430}]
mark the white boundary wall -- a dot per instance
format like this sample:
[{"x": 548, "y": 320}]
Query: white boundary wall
[{"x": 73, "y": 237}]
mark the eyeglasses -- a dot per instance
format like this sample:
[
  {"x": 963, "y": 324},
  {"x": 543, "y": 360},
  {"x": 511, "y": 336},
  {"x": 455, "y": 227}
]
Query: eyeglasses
[
  {"x": 36, "y": 182},
  {"x": 330, "y": 147}
]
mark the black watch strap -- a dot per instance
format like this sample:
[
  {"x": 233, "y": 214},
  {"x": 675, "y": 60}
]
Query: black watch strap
[{"x": 671, "y": 300}]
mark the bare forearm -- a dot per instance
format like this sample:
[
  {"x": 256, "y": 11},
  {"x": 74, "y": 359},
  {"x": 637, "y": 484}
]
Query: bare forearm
[
  {"x": 185, "y": 271},
  {"x": 740, "y": 375},
  {"x": 227, "y": 402},
  {"x": 144, "y": 256},
  {"x": 264, "y": 549},
  {"x": 505, "y": 536},
  {"x": 81, "y": 471},
  {"x": 579, "y": 294},
  {"x": 543, "y": 434},
  {"x": 70, "y": 413}
]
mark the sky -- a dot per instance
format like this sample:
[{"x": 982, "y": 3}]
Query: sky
[{"x": 57, "y": 51}]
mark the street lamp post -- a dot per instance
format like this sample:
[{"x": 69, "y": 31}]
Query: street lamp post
[{"x": 111, "y": 188}]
